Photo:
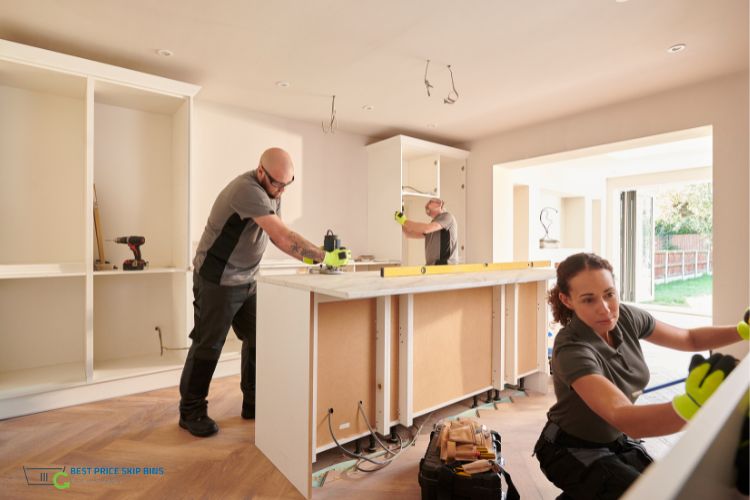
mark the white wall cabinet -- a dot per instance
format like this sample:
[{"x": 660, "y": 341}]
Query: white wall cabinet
[
  {"x": 406, "y": 172},
  {"x": 71, "y": 334}
]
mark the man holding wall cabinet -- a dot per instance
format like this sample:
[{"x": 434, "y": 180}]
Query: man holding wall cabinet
[
  {"x": 440, "y": 234},
  {"x": 245, "y": 215}
]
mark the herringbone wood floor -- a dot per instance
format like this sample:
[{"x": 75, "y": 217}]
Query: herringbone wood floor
[{"x": 142, "y": 431}]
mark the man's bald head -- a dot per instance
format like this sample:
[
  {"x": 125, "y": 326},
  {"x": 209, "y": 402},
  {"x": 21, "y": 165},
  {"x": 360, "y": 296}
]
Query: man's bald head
[{"x": 278, "y": 163}]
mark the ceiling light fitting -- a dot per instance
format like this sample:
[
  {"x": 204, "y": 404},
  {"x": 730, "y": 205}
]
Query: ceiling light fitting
[
  {"x": 283, "y": 84},
  {"x": 368, "y": 107},
  {"x": 164, "y": 52},
  {"x": 679, "y": 47}
]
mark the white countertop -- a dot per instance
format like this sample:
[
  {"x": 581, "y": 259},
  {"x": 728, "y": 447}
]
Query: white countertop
[
  {"x": 370, "y": 284},
  {"x": 293, "y": 263}
]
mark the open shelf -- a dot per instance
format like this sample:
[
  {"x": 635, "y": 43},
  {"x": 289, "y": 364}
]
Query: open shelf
[
  {"x": 126, "y": 318},
  {"x": 52, "y": 270},
  {"x": 41, "y": 379},
  {"x": 113, "y": 369},
  {"x": 141, "y": 173},
  {"x": 148, "y": 270},
  {"x": 43, "y": 158},
  {"x": 417, "y": 195},
  {"x": 42, "y": 331}
]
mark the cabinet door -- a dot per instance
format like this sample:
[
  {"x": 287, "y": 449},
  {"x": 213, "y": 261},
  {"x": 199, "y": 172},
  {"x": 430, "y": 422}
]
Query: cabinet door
[
  {"x": 453, "y": 192},
  {"x": 384, "y": 197}
]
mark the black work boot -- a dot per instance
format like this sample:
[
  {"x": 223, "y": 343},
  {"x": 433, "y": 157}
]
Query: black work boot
[
  {"x": 201, "y": 427},
  {"x": 196, "y": 378}
]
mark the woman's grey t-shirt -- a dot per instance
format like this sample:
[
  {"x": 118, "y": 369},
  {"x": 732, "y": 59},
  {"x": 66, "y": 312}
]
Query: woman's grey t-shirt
[
  {"x": 232, "y": 244},
  {"x": 579, "y": 351}
]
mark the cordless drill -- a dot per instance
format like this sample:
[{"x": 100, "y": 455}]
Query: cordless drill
[{"x": 134, "y": 244}]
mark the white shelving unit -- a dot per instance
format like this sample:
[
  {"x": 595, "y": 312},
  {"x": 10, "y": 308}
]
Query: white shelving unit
[
  {"x": 571, "y": 224},
  {"x": 67, "y": 330},
  {"x": 406, "y": 172}
]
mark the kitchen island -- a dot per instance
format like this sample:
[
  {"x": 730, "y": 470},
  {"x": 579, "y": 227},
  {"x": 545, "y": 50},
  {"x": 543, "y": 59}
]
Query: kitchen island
[{"x": 402, "y": 346}]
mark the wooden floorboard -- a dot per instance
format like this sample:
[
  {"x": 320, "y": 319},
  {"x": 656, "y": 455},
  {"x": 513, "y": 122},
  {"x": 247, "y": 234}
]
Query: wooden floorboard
[{"x": 142, "y": 431}]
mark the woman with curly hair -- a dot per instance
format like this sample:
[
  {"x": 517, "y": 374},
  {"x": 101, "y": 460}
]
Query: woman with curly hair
[{"x": 587, "y": 447}]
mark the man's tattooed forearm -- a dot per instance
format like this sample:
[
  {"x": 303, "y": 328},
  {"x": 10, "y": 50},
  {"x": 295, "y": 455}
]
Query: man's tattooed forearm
[{"x": 300, "y": 248}]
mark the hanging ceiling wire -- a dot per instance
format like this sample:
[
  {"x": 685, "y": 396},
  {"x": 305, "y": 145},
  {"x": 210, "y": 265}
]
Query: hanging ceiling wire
[
  {"x": 332, "y": 124},
  {"x": 450, "y": 99},
  {"x": 427, "y": 83}
]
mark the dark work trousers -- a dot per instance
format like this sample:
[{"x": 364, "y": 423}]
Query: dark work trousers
[
  {"x": 586, "y": 470},
  {"x": 216, "y": 308}
]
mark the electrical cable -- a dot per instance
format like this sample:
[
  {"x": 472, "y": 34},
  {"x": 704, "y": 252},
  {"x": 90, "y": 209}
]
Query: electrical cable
[
  {"x": 449, "y": 99},
  {"x": 395, "y": 452},
  {"x": 360, "y": 408},
  {"x": 427, "y": 83},
  {"x": 344, "y": 450},
  {"x": 333, "y": 124}
]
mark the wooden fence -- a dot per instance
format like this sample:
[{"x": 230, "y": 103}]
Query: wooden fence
[{"x": 672, "y": 265}]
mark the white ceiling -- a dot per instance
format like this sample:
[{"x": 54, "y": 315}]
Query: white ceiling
[{"x": 515, "y": 62}]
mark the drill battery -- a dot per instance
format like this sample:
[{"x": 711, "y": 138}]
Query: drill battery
[{"x": 134, "y": 265}]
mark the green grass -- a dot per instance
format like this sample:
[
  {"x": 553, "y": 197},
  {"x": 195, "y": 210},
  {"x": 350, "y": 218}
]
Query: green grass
[{"x": 677, "y": 292}]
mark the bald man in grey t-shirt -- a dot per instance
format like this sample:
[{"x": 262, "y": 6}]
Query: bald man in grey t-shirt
[
  {"x": 440, "y": 234},
  {"x": 243, "y": 219}
]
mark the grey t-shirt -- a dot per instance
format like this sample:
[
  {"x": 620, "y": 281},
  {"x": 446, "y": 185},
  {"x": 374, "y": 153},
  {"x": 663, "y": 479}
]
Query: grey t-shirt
[
  {"x": 441, "y": 247},
  {"x": 232, "y": 244},
  {"x": 579, "y": 351}
]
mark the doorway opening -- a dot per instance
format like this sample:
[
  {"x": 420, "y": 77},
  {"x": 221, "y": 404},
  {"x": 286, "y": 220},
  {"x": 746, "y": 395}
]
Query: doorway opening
[{"x": 633, "y": 203}]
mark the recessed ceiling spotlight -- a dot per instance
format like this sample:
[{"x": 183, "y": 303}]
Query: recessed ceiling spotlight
[
  {"x": 283, "y": 84},
  {"x": 679, "y": 47},
  {"x": 432, "y": 125},
  {"x": 368, "y": 107},
  {"x": 621, "y": 1},
  {"x": 164, "y": 52}
]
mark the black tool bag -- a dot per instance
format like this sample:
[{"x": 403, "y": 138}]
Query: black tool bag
[{"x": 444, "y": 480}]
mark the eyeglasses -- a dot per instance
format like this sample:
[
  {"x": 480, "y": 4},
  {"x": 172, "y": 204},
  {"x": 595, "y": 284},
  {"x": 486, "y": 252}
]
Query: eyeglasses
[{"x": 274, "y": 182}]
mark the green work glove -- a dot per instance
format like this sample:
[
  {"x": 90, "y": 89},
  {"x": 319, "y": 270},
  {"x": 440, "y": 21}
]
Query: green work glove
[
  {"x": 704, "y": 378},
  {"x": 399, "y": 217},
  {"x": 743, "y": 327},
  {"x": 337, "y": 257}
]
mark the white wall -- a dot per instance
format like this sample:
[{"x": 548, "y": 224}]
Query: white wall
[
  {"x": 328, "y": 190},
  {"x": 722, "y": 103}
]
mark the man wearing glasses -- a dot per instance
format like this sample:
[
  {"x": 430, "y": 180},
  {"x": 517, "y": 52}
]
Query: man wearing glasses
[
  {"x": 245, "y": 215},
  {"x": 440, "y": 235}
]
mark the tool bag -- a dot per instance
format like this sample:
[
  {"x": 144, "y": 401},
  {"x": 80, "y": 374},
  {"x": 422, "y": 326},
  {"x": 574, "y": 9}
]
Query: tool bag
[{"x": 463, "y": 462}]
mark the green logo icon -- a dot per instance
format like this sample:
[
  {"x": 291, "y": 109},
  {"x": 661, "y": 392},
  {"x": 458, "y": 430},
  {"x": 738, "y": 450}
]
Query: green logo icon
[{"x": 58, "y": 485}]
